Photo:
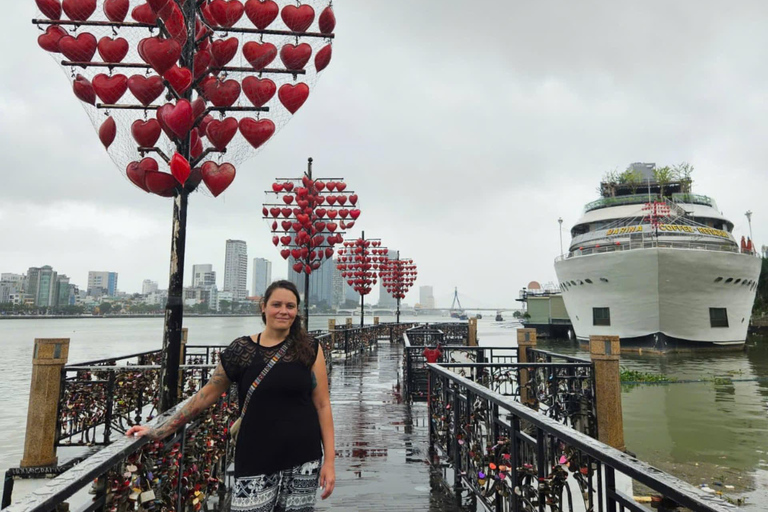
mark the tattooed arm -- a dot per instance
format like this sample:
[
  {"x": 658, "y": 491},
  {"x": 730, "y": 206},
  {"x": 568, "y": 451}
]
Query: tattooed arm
[
  {"x": 208, "y": 395},
  {"x": 322, "y": 400}
]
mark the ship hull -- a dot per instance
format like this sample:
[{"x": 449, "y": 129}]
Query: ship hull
[{"x": 660, "y": 298}]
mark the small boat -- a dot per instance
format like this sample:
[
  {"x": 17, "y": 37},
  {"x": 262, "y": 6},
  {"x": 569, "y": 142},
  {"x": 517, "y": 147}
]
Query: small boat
[
  {"x": 479, "y": 316},
  {"x": 499, "y": 318}
]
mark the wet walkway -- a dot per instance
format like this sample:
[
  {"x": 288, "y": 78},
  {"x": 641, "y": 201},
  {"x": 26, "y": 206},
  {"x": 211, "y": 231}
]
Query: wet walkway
[{"x": 381, "y": 442}]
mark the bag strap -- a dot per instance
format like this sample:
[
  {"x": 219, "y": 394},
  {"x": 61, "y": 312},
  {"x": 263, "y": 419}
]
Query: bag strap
[{"x": 280, "y": 353}]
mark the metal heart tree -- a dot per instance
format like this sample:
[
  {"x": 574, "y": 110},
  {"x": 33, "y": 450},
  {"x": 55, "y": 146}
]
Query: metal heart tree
[
  {"x": 397, "y": 277},
  {"x": 359, "y": 262},
  {"x": 308, "y": 218},
  {"x": 205, "y": 83}
]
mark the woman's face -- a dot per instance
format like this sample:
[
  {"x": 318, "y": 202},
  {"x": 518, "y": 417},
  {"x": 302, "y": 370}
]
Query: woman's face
[{"x": 281, "y": 309}]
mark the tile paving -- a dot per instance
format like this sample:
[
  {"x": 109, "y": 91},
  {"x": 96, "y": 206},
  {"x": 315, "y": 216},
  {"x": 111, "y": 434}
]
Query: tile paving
[{"x": 381, "y": 442}]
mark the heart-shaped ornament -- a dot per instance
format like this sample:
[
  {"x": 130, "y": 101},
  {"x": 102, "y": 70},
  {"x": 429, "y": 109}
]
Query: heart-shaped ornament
[{"x": 217, "y": 177}]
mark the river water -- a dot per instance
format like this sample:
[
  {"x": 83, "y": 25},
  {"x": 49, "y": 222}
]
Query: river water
[{"x": 714, "y": 431}]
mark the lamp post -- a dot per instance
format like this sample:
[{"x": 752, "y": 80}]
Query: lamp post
[
  {"x": 749, "y": 221},
  {"x": 560, "y": 221}
]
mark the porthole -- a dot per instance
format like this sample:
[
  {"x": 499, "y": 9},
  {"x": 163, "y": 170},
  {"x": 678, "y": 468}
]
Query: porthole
[
  {"x": 718, "y": 279},
  {"x": 729, "y": 280},
  {"x": 744, "y": 283},
  {"x": 573, "y": 283},
  {"x": 737, "y": 281},
  {"x": 581, "y": 282},
  {"x": 588, "y": 281},
  {"x": 603, "y": 279}
]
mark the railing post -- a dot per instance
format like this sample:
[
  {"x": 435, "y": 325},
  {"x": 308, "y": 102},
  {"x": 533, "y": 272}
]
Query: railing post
[
  {"x": 332, "y": 330},
  {"x": 472, "y": 335},
  {"x": 109, "y": 407},
  {"x": 605, "y": 352},
  {"x": 349, "y": 322},
  {"x": 182, "y": 360},
  {"x": 375, "y": 320},
  {"x": 50, "y": 356},
  {"x": 526, "y": 338},
  {"x": 346, "y": 339}
]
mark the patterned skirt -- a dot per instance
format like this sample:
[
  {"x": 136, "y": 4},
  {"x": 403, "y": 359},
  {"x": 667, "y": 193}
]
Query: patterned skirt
[{"x": 291, "y": 490}]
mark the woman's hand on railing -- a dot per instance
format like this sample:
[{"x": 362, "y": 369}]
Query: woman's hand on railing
[{"x": 139, "y": 431}]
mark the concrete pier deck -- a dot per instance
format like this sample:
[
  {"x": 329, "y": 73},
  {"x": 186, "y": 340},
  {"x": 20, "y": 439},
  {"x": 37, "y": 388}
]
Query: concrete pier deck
[{"x": 381, "y": 442}]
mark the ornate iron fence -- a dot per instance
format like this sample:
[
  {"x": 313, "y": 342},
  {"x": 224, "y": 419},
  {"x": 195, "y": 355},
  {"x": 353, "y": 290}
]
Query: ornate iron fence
[{"x": 495, "y": 452}]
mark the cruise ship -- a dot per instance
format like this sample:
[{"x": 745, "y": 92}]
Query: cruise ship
[{"x": 658, "y": 266}]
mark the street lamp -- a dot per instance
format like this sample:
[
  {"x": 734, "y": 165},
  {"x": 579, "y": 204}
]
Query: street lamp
[
  {"x": 560, "y": 221},
  {"x": 749, "y": 221}
]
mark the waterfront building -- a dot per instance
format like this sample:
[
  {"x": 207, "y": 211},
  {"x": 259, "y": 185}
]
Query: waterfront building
[
  {"x": 64, "y": 295},
  {"x": 320, "y": 283},
  {"x": 262, "y": 276},
  {"x": 385, "y": 299},
  {"x": 426, "y": 297},
  {"x": 10, "y": 284},
  {"x": 102, "y": 283},
  {"x": 236, "y": 269},
  {"x": 224, "y": 297},
  {"x": 338, "y": 283},
  {"x": 203, "y": 275},
  {"x": 148, "y": 286},
  {"x": 41, "y": 286}
]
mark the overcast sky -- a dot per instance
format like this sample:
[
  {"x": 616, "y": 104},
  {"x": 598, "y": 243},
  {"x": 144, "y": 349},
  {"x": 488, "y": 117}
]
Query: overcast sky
[{"x": 466, "y": 128}]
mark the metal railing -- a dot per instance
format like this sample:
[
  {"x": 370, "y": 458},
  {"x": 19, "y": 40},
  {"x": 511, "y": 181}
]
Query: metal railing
[
  {"x": 495, "y": 453},
  {"x": 649, "y": 243},
  {"x": 178, "y": 473}
]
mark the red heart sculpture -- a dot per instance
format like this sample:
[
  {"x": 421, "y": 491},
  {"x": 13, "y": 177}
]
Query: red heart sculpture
[
  {"x": 220, "y": 133},
  {"x": 285, "y": 253},
  {"x": 286, "y": 212},
  {"x": 274, "y": 211},
  {"x": 112, "y": 50},
  {"x": 327, "y": 21},
  {"x": 204, "y": 123},
  {"x": 78, "y": 10},
  {"x": 160, "y": 183},
  {"x": 298, "y": 267},
  {"x": 196, "y": 145},
  {"x": 202, "y": 62},
  {"x": 180, "y": 168},
  {"x": 285, "y": 240},
  {"x": 342, "y": 200},
  {"x": 222, "y": 94},
  {"x": 261, "y": 13},
  {"x": 323, "y": 58},
  {"x": 226, "y": 13},
  {"x": 256, "y": 132},
  {"x": 295, "y": 56},
  {"x": 353, "y": 199},
  {"x": 157, "y": 5},
  {"x": 159, "y": 53},
  {"x": 332, "y": 214},
  {"x": 145, "y": 133},
  {"x": 198, "y": 107},
  {"x": 340, "y": 186},
  {"x": 116, "y": 10},
  {"x": 146, "y": 89},
  {"x": 298, "y": 18},
  {"x": 144, "y": 14},
  {"x": 286, "y": 225},
  {"x": 328, "y": 252},
  {"x": 331, "y": 226},
  {"x": 259, "y": 55},
  {"x": 84, "y": 90},
  {"x": 174, "y": 22},
  {"x": 50, "y": 8},
  {"x": 205, "y": 9},
  {"x": 287, "y": 199},
  {"x": 177, "y": 117},
  {"x": 224, "y": 50},
  {"x": 293, "y": 96},
  {"x": 49, "y": 41},
  {"x": 331, "y": 185},
  {"x": 343, "y": 214},
  {"x": 277, "y": 187},
  {"x": 179, "y": 78},
  {"x": 288, "y": 186},
  {"x": 296, "y": 253},
  {"x": 259, "y": 90},
  {"x": 110, "y": 88},
  {"x": 79, "y": 49},
  {"x": 354, "y": 213},
  {"x": 217, "y": 177},
  {"x": 331, "y": 200},
  {"x": 107, "y": 132},
  {"x": 136, "y": 172}
]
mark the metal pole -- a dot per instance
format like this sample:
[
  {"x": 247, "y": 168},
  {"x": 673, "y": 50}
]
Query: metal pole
[
  {"x": 560, "y": 221},
  {"x": 399, "y": 286},
  {"x": 749, "y": 220},
  {"x": 174, "y": 308},
  {"x": 362, "y": 296},
  {"x": 309, "y": 248}
]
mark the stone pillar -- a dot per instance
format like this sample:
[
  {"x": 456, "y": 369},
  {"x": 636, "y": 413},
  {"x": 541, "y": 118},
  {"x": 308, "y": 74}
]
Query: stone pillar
[
  {"x": 349, "y": 322},
  {"x": 472, "y": 333},
  {"x": 332, "y": 330},
  {"x": 605, "y": 352},
  {"x": 375, "y": 320},
  {"x": 525, "y": 338},
  {"x": 50, "y": 355}
]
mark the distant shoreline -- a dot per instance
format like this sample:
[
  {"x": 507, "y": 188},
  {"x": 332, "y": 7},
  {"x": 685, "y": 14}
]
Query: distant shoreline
[{"x": 107, "y": 317}]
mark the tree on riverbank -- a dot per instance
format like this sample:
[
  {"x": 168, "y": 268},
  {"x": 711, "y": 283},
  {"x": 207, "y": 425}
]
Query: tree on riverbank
[{"x": 760, "y": 307}]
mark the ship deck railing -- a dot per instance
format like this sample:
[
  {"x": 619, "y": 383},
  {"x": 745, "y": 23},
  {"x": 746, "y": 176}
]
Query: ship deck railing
[{"x": 647, "y": 243}]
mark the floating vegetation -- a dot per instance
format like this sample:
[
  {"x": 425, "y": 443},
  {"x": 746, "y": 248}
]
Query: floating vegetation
[{"x": 638, "y": 377}]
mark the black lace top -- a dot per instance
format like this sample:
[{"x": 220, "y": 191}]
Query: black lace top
[{"x": 280, "y": 429}]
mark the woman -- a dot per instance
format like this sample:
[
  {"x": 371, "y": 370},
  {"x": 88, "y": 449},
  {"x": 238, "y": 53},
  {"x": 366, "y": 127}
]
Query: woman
[{"x": 278, "y": 455}]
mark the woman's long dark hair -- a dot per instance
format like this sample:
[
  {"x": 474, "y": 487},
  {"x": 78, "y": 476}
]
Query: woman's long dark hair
[{"x": 302, "y": 346}]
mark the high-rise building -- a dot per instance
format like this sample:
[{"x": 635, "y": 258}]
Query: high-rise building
[
  {"x": 203, "y": 275},
  {"x": 337, "y": 285},
  {"x": 62, "y": 296},
  {"x": 102, "y": 283},
  {"x": 385, "y": 299},
  {"x": 426, "y": 297},
  {"x": 320, "y": 283},
  {"x": 236, "y": 269},
  {"x": 41, "y": 286},
  {"x": 262, "y": 276},
  {"x": 148, "y": 286},
  {"x": 10, "y": 284}
]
